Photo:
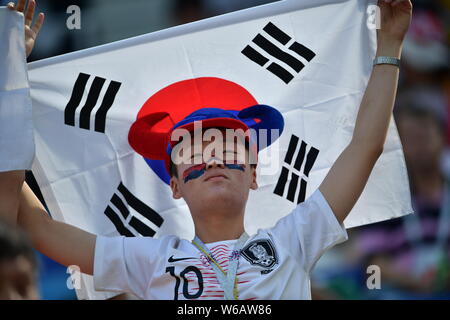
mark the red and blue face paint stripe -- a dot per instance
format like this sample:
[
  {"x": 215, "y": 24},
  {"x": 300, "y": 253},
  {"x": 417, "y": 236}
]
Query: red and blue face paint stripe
[
  {"x": 194, "y": 172},
  {"x": 197, "y": 171}
]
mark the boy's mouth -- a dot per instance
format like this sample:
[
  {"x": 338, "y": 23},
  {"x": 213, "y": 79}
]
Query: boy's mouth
[{"x": 216, "y": 177}]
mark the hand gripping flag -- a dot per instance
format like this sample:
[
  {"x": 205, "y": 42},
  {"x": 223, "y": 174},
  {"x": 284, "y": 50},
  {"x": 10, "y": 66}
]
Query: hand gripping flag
[{"x": 311, "y": 60}]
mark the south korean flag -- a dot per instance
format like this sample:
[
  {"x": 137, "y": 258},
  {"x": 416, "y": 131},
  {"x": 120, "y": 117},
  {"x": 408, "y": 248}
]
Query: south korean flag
[{"x": 309, "y": 59}]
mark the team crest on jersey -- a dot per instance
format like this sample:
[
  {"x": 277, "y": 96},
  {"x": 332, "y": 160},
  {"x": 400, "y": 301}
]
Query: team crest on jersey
[{"x": 260, "y": 252}]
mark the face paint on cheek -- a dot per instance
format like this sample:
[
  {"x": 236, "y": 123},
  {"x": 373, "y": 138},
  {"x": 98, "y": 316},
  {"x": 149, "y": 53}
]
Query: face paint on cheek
[
  {"x": 194, "y": 172},
  {"x": 236, "y": 166}
]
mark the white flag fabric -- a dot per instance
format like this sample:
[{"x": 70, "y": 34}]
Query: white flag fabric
[
  {"x": 15, "y": 100},
  {"x": 310, "y": 59}
]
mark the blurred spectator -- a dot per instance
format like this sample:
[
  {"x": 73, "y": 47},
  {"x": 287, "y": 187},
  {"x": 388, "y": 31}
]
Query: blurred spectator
[
  {"x": 18, "y": 266},
  {"x": 413, "y": 252},
  {"x": 425, "y": 54}
]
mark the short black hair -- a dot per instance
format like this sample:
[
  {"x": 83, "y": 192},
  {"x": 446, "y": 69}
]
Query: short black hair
[
  {"x": 421, "y": 113},
  {"x": 422, "y": 103}
]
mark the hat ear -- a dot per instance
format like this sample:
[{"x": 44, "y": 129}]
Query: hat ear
[
  {"x": 270, "y": 118},
  {"x": 145, "y": 140}
]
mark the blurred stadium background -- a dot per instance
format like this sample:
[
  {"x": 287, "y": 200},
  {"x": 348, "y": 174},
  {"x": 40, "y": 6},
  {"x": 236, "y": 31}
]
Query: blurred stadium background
[{"x": 412, "y": 252}]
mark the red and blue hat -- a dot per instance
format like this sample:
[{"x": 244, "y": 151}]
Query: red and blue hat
[{"x": 215, "y": 102}]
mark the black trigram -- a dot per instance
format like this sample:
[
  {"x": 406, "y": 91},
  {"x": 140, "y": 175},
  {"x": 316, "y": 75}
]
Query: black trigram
[
  {"x": 273, "y": 49},
  {"x": 129, "y": 221},
  {"x": 93, "y": 95},
  {"x": 294, "y": 167}
]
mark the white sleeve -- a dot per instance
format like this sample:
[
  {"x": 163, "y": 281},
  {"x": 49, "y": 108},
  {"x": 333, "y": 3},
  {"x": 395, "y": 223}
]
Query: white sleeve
[
  {"x": 16, "y": 125},
  {"x": 309, "y": 230},
  {"x": 123, "y": 264}
]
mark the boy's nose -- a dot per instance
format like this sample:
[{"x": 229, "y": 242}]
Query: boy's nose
[{"x": 215, "y": 163}]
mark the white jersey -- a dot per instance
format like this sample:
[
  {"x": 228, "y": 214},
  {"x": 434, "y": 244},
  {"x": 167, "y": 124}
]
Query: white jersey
[{"x": 274, "y": 263}]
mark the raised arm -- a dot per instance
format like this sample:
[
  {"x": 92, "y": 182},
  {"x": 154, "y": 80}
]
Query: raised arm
[
  {"x": 61, "y": 242},
  {"x": 348, "y": 176},
  {"x": 11, "y": 182}
]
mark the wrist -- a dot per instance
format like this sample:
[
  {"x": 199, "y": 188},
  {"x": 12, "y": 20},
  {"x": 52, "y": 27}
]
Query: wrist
[{"x": 389, "y": 48}]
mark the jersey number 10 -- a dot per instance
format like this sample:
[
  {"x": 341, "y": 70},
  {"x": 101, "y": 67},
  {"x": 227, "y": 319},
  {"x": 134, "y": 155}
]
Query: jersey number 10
[{"x": 183, "y": 273}]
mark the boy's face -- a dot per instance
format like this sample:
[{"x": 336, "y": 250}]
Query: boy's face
[
  {"x": 213, "y": 173},
  {"x": 423, "y": 142}
]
